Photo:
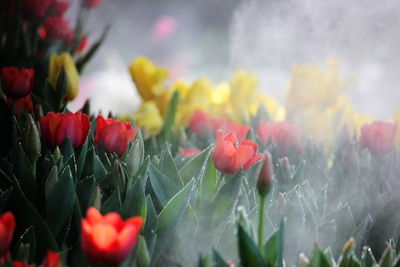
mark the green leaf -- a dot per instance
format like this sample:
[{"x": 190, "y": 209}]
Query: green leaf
[
  {"x": 168, "y": 167},
  {"x": 81, "y": 62},
  {"x": 169, "y": 217},
  {"x": 249, "y": 253},
  {"x": 135, "y": 203},
  {"x": 112, "y": 203},
  {"x": 4, "y": 197},
  {"x": 196, "y": 166},
  {"x": 387, "y": 257},
  {"x": 143, "y": 257},
  {"x": 81, "y": 160},
  {"x": 169, "y": 120},
  {"x": 164, "y": 187},
  {"x": 24, "y": 172},
  {"x": 60, "y": 201},
  {"x": 26, "y": 216},
  {"x": 281, "y": 243},
  {"x": 367, "y": 258},
  {"x": 151, "y": 223},
  {"x": 271, "y": 249},
  {"x": 84, "y": 191},
  {"x": 318, "y": 259},
  {"x": 218, "y": 260}
]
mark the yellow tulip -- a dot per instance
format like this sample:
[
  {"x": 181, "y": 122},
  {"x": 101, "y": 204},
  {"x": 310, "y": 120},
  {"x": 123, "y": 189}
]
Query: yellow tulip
[
  {"x": 149, "y": 79},
  {"x": 57, "y": 63},
  {"x": 149, "y": 118}
]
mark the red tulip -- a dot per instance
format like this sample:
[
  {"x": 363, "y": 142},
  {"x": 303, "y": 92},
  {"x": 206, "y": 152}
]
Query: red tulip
[
  {"x": 201, "y": 123},
  {"x": 23, "y": 105},
  {"x": 108, "y": 239},
  {"x": 189, "y": 152},
  {"x": 229, "y": 157},
  {"x": 56, "y": 27},
  {"x": 35, "y": 9},
  {"x": 21, "y": 264},
  {"x": 52, "y": 259},
  {"x": 15, "y": 82},
  {"x": 285, "y": 135},
  {"x": 91, "y": 3},
  {"x": 264, "y": 182},
  {"x": 7, "y": 227},
  {"x": 56, "y": 127},
  {"x": 114, "y": 135},
  {"x": 378, "y": 137}
]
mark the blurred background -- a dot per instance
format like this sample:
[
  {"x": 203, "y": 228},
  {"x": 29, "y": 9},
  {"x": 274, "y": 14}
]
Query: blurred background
[{"x": 214, "y": 38}]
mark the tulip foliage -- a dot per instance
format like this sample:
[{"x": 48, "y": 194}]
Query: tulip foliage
[{"x": 180, "y": 187}]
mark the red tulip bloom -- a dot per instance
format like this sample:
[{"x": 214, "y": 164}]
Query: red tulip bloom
[
  {"x": 201, "y": 123},
  {"x": 35, "y": 9},
  {"x": 108, "y": 239},
  {"x": 189, "y": 152},
  {"x": 91, "y": 3},
  {"x": 7, "y": 227},
  {"x": 21, "y": 264},
  {"x": 56, "y": 127},
  {"x": 52, "y": 259},
  {"x": 23, "y": 105},
  {"x": 15, "y": 82},
  {"x": 229, "y": 157},
  {"x": 56, "y": 27},
  {"x": 114, "y": 135},
  {"x": 378, "y": 137},
  {"x": 285, "y": 135}
]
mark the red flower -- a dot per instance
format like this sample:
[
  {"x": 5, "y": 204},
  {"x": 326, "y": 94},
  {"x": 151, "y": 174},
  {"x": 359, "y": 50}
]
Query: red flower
[
  {"x": 56, "y": 27},
  {"x": 17, "y": 83},
  {"x": 189, "y": 152},
  {"x": 59, "y": 7},
  {"x": 201, "y": 123},
  {"x": 23, "y": 105},
  {"x": 114, "y": 135},
  {"x": 21, "y": 264},
  {"x": 91, "y": 3},
  {"x": 378, "y": 137},
  {"x": 7, "y": 227},
  {"x": 108, "y": 239},
  {"x": 285, "y": 135},
  {"x": 229, "y": 157},
  {"x": 35, "y": 9},
  {"x": 52, "y": 259},
  {"x": 56, "y": 127},
  {"x": 83, "y": 44}
]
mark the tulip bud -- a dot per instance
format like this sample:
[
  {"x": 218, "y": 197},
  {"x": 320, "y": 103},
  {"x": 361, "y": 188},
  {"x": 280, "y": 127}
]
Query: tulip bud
[
  {"x": 264, "y": 182},
  {"x": 57, "y": 153},
  {"x": 23, "y": 252},
  {"x": 155, "y": 160},
  {"x": 51, "y": 181},
  {"x": 31, "y": 140},
  {"x": 303, "y": 260},
  {"x": 348, "y": 246},
  {"x": 119, "y": 175},
  {"x": 95, "y": 200},
  {"x": 135, "y": 155},
  {"x": 143, "y": 258},
  {"x": 285, "y": 167}
]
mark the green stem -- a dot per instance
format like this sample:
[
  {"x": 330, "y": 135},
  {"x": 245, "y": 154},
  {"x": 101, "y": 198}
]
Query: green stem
[{"x": 261, "y": 222}]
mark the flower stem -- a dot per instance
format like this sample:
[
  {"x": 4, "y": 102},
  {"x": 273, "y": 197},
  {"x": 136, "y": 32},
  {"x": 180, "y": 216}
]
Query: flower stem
[{"x": 261, "y": 222}]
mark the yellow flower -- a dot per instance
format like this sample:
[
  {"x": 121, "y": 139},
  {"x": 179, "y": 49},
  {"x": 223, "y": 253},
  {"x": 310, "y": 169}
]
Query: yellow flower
[
  {"x": 276, "y": 111},
  {"x": 149, "y": 118},
  {"x": 149, "y": 79},
  {"x": 57, "y": 63},
  {"x": 397, "y": 122}
]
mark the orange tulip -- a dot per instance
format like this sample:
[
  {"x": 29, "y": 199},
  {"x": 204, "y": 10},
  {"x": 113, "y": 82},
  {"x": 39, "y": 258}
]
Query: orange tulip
[{"x": 108, "y": 239}]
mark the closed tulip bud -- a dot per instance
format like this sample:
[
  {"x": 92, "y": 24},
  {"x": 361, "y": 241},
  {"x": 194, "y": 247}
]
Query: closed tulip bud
[
  {"x": 23, "y": 252},
  {"x": 31, "y": 140},
  {"x": 378, "y": 137},
  {"x": 285, "y": 167},
  {"x": 57, "y": 153},
  {"x": 303, "y": 260},
  {"x": 135, "y": 155},
  {"x": 51, "y": 181},
  {"x": 119, "y": 175},
  {"x": 264, "y": 182},
  {"x": 95, "y": 200}
]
